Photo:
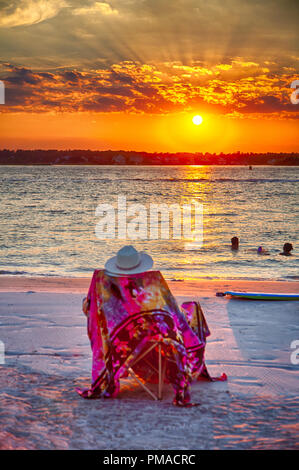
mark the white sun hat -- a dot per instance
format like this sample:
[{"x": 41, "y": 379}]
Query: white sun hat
[{"x": 129, "y": 261}]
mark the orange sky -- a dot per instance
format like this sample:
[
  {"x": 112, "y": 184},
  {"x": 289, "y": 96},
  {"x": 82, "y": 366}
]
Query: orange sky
[
  {"x": 131, "y": 75},
  {"x": 167, "y": 133}
]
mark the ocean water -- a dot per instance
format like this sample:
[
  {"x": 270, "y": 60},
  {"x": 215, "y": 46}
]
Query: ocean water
[{"x": 48, "y": 219}]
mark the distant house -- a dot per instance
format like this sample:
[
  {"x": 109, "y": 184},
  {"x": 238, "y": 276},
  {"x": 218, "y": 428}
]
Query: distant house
[
  {"x": 62, "y": 159},
  {"x": 136, "y": 159},
  {"x": 119, "y": 159}
]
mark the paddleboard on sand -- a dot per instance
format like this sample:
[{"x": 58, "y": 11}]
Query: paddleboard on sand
[{"x": 261, "y": 296}]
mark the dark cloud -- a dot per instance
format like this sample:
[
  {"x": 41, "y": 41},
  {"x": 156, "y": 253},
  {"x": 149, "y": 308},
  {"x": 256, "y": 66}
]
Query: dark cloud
[
  {"x": 122, "y": 78},
  {"x": 72, "y": 76},
  {"x": 16, "y": 96},
  {"x": 113, "y": 89},
  {"x": 269, "y": 104},
  {"x": 20, "y": 76},
  {"x": 104, "y": 104},
  {"x": 134, "y": 87}
]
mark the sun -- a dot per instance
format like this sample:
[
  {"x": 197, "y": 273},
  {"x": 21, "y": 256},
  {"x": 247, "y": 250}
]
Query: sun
[{"x": 197, "y": 120}]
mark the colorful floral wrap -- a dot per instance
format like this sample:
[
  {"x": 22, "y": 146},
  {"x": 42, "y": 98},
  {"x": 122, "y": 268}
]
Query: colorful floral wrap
[{"x": 123, "y": 315}]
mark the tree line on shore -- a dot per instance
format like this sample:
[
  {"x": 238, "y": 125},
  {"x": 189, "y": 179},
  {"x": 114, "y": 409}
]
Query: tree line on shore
[{"x": 122, "y": 157}]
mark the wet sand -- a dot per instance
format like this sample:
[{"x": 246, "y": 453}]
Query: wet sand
[
  {"x": 186, "y": 287},
  {"x": 47, "y": 354}
]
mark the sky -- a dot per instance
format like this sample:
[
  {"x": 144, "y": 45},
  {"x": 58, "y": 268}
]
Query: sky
[{"x": 131, "y": 75}]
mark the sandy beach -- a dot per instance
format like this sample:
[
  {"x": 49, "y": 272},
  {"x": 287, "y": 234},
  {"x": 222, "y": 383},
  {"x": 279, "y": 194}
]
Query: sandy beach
[
  {"x": 201, "y": 287},
  {"x": 47, "y": 354}
]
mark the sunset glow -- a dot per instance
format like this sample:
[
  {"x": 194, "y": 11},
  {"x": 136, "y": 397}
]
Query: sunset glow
[{"x": 81, "y": 79}]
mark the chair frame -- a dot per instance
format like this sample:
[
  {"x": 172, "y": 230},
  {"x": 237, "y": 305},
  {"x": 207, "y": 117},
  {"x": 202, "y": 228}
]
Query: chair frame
[{"x": 161, "y": 369}]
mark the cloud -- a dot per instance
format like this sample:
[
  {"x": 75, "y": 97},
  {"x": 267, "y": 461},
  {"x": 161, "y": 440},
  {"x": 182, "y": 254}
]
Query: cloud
[
  {"x": 28, "y": 12},
  {"x": 89, "y": 33},
  {"x": 20, "y": 76},
  {"x": 269, "y": 105},
  {"x": 134, "y": 87},
  {"x": 95, "y": 9}
]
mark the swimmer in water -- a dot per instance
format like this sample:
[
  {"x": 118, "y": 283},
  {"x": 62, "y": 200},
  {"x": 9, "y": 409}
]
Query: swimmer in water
[
  {"x": 287, "y": 248},
  {"x": 235, "y": 243},
  {"x": 262, "y": 251}
]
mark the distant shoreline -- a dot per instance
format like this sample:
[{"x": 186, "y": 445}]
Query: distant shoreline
[
  {"x": 141, "y": 164},
  {"x": 123, "y": 157}
]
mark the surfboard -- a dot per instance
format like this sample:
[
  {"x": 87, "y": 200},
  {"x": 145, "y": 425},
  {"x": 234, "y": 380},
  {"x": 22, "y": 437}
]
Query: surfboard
[{"x": 261, "y": 296}]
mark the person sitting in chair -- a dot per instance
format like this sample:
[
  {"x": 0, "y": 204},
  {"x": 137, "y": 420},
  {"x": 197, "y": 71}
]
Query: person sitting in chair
[{"x": 128, "y": 307}]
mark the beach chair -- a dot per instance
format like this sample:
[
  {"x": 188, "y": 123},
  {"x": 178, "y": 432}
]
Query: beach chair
[
  {"x": 136, "y": 328},
  {"x": 153, "y": 345},
  {"x": 196, "y": 320},
  {"x": 149, "y": 366}
]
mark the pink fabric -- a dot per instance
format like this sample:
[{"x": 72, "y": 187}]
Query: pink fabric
[{"x": 123, "y": 313}]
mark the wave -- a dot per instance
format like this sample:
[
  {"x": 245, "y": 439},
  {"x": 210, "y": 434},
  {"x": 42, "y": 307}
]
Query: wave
[
  {"x": 14, "y": 273},
  {"x": 184, "y": 180},
  {"x": 26, "y": 273},
  {"x": 200, "y": 180},
  {"x": 168, "y": 274}
]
